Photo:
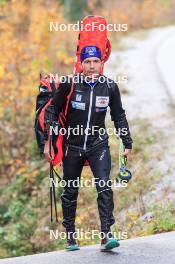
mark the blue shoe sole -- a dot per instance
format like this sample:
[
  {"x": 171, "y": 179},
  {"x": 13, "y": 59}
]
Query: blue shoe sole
[
  {"x": 72, "y": 248},
  {"x": 112, "y": 243}
]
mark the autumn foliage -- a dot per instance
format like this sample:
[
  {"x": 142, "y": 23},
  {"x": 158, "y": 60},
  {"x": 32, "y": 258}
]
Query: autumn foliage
[{"x": 27, "y": 47}]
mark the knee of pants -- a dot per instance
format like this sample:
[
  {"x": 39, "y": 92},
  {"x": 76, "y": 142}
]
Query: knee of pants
[
  {"x": 103, "y": 186},
  {"x": 105, "y": 197},
  {"x": 69, "y": 197},
  {"x": 69, "y": 210}
]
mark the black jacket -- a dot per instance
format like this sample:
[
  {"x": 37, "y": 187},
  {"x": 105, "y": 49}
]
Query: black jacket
[{"x": 87, "y": 110}]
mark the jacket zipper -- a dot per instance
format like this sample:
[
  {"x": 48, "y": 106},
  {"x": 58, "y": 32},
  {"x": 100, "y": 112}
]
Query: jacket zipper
[
  {"x": 66, "y": 151},
  {"x": 89, "y": 116}
]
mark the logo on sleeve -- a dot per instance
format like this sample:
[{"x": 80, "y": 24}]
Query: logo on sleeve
[{"x": 102, "y": 101}]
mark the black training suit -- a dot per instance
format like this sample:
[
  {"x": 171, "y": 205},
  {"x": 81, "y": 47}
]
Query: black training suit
[{"x": 87, "y": 109}]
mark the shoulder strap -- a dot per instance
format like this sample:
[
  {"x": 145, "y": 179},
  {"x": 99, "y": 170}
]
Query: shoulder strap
[
  {"x": 68, "y": 97},
  {"x": 50, "y": 81}
]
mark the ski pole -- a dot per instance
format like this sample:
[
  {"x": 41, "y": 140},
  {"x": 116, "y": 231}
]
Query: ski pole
[
  {"x": 51, "y": 182},
  {"x": 51, "y": 216},
  {"x": 53, "y": 193},
  {"x": 52, "y": 185}
]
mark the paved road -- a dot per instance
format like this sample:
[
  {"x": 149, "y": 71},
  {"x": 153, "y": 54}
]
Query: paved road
[
  {"x": 157, "y": 249},
  {"x": 166, "y": 62}
]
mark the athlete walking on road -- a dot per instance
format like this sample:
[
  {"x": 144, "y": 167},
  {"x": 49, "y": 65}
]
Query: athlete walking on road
[{"x": 87, "y": 109}]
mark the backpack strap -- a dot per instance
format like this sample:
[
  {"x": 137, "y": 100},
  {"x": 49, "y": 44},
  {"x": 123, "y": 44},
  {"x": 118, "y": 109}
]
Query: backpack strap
[
  {"x": 68, "y": 97},
  {"x": 50, "y": 81}
]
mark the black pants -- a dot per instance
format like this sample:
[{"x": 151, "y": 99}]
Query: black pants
[{"x": 100, "y": 163}]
